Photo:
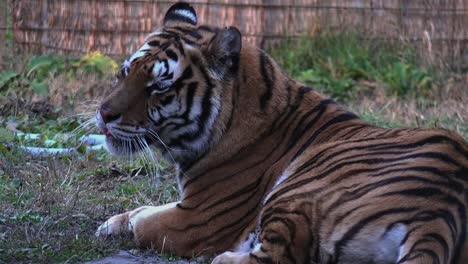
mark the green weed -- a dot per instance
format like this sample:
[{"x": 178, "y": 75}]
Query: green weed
[
  {"x": 41, "y": 68},
  {"x": 337, "y": 63}
]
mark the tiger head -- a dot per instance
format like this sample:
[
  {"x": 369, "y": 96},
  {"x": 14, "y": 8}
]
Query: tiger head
[{"x": 167, "y": 94}]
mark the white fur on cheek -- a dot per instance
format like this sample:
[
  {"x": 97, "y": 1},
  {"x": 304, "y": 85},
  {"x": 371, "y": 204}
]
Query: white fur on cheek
[
  {"x": 158, "y": 69},
  {"x": 142, "y": 51}
]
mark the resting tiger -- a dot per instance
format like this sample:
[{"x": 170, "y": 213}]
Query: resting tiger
[{"x": 270, "y": 171}]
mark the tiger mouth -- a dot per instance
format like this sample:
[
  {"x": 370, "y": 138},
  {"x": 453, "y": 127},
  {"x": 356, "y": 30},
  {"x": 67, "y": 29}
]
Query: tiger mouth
[
  {"x": 126, "y": 146},
  {"x": 106, "y": 132}
]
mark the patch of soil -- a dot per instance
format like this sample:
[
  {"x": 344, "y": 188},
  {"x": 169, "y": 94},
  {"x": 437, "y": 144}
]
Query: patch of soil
[{"x": 127, "y": 257}]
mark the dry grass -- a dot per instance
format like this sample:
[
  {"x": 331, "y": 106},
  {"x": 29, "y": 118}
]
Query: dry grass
[
  {"x": 446, "y": 108},
  {"x": 54, "y": 205}
]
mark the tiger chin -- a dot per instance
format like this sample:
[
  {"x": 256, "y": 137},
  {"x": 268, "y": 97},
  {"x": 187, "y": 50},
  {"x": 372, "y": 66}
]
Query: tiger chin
[{"x": 270, "y": 170}]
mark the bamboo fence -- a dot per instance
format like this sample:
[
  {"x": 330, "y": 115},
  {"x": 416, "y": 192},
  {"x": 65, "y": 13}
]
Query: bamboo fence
[
  {"x": 118, "y": 27},
  {"x": 3, "y": 24}
]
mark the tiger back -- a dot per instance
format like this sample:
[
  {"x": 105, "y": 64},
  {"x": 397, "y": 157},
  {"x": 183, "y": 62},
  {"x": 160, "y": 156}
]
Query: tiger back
[{"x": 269, "y": 170}]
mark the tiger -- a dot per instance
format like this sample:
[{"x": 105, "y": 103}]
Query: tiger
[{"x": 269, "y": 170}]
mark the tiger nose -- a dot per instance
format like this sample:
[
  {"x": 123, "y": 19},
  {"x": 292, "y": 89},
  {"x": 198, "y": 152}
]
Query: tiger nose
[{"x": 107, "y": 116}]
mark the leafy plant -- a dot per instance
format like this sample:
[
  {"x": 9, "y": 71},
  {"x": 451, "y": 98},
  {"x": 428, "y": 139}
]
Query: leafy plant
[
  {"x": 43, "y": 67},
  {"x": 403, "y": 78},
  {"x": 336, "y": 63},
  {"x": 7, "y": 76},
  {"x": 95, "y": 62}
]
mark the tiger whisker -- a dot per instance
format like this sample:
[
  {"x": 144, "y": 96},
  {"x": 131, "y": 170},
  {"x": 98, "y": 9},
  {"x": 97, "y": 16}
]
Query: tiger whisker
[
  {"x": 147, "y": 156},
  {"x": 154, "y": 164},
  {"x": 156, "y": 136},
  {"x": 85, "y": 126}
]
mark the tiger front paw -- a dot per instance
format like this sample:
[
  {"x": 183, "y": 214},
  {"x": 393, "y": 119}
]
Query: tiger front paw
[
  {"x": 127, "y": 222},
  {"x": 232, "y": 258},
  {"x": 116, "y": 225}
]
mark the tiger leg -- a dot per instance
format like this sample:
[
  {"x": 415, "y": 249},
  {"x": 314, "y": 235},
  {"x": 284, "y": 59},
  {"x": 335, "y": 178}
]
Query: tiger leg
[
  {"x": 163, "y": 228},
  {"x": 281, "y": 240}
]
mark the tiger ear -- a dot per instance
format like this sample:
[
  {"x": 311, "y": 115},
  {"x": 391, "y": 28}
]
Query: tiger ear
[
  {"x": 180, "y": 13},
  {"x": 224, "y": 52}
]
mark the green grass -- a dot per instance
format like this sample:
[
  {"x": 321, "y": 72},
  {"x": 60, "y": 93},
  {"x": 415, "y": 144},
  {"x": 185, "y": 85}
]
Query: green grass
[{"x": 337, "y": 64}]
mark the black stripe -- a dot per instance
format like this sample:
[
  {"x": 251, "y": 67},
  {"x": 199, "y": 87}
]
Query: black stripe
[
  {"x": 209, "y": 171},
  {"x": 382, "y": 146},
  {"x": 168, "y": 77},
  {"x": 289, "y": 109},
  {"x": 189, "y": 31},
  {"x": 278, "y": 239},
  {"x": 441, "y": 240},
  {"x": 171, "y": 55},
  {"x": 418, "y": 253},
  {"x": 190, "y": 42},
  {"x": 209, "y": 28},
  {"x": 167, "y": 99},
  {"x": 202, "y": 121},
  {"x": 224, "y": 211},
  {"x": 336, "y": 167},
  {"x": 357, "y": 227},
  {"x": 379, "y": 146},
  {"x": 268, "y": 74},
  {"x": 244, "y": 190},
  {"x": 191, "y": 89},
  {"x": 354, "y": 131},
  {"x": 408, "y": 233},
  {"x": 419, "y": 192},
  {"x": 209, "y": 239},
  {"x": 352, "y": 196},
  {"x": 165, "y": 35},
  {"x": 154, "y": 43},
  {"x": 300, "y": 130},
  {"x": 334, "y": 153},
  {"x": 431, "y": 216},
  {"x": 334, "y": 157},
  {"x": 234, "y": 97},
  {"x": 344, "y": 117},
  {"x": 179, "y": 83},
  {"x": 460, "y": 246}
]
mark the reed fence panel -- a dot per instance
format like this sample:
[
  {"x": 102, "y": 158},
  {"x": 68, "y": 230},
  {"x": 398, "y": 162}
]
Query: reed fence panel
[{"x": 118, "y": 27}]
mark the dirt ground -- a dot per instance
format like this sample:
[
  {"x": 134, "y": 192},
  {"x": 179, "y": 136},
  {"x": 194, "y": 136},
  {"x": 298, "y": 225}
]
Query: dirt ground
[{"x": 129, "y": 257}]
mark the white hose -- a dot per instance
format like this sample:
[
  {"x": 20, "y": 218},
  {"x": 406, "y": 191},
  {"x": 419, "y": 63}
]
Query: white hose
[{"x": 93, "y": 142}]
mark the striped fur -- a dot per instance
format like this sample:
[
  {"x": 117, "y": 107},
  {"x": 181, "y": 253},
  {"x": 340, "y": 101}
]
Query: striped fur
[{"x": 272, "y": 170}]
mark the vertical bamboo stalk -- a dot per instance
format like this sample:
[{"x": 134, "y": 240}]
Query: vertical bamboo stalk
[{"x": 3, "y": 24}]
